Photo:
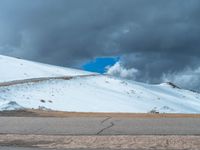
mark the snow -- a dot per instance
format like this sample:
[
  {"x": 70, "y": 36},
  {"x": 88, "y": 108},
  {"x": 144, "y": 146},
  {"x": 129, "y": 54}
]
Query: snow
[
  {"x": 12, "y": 105},
  {"x": 17, "y": 69},
  {"x": 99, "y": 93}
]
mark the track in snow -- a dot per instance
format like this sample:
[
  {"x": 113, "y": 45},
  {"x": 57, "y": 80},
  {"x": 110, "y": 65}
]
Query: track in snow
[{"x": 33, "y": 80}]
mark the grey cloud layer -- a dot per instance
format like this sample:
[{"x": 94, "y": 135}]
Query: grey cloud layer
[{"x": 154, "y": 36}]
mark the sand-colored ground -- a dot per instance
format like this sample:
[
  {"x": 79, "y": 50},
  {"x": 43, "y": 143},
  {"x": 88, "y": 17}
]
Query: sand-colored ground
[
  {"x": 49, "y": 113},
  {"x": 107, "y": 142}
]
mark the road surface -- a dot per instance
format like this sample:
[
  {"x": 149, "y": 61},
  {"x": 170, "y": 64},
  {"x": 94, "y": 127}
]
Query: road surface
[
  {"x": 99, "y": 126},
  {"x": 21, "y": 148},
  {"x": 74, "y": 133}
]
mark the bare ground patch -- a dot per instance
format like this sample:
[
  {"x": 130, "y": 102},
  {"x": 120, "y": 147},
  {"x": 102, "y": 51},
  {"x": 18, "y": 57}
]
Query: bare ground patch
[
  {"x": 50, "y": 113},
  {"x": 112, "y": 142}
]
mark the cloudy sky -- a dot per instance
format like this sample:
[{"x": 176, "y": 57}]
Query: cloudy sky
[{"x": 145, "y": 40}]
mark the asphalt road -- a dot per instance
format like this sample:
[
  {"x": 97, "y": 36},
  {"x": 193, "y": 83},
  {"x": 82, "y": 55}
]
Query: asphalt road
[
  {"x": 40, "y": 133},
  {"x": 99, "y": 126},
  {"x": 21, "y": 148}
]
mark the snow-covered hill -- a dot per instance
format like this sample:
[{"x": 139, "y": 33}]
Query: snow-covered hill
[
  {"x": 17, "y": 69},
  {"x": 100, "y": 93}
]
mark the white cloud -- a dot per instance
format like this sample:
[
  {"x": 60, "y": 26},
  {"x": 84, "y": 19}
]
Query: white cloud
[
  {"x": 188, "y": 78},
  {"x": 120, "y": 71}
]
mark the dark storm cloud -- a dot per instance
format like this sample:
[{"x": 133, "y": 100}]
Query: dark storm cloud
[{"x": 154, "y": 36}]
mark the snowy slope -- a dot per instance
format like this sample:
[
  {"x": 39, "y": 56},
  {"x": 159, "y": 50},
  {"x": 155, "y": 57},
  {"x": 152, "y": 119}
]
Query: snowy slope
[
  {"x": 99, "y": 93},
  {"x": 17, "y": 69}
]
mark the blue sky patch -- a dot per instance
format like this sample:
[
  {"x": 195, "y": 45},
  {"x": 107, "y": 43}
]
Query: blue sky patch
[{"x": 99, "y": 64}]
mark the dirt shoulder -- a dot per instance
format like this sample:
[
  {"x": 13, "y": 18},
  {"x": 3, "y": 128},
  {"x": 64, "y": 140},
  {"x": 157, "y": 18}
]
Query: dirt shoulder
[
  {"x": 49, "y": 113},
  {"x": 106, "y": 142}
]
